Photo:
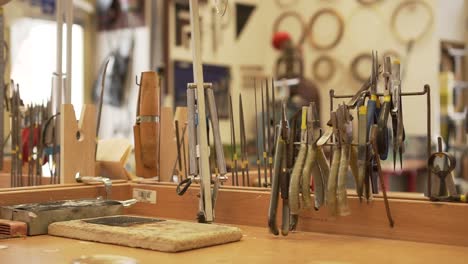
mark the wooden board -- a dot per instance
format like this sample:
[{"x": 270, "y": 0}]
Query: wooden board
[
  {"x": 415, "y": 220},
  {"x": 181, "y": 115},
  {"x": 162, "y": 235},
  {"x": 168, "y": 144},
  {"x": 77, "y": 143},
  {"x": 256, "y": 246}
]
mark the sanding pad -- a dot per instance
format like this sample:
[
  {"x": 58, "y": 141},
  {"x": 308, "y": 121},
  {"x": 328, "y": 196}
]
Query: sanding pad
[{"x": 147, "y": 233}]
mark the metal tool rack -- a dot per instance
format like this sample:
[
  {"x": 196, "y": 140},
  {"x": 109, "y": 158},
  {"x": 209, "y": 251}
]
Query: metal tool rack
[{"x": 427, "y": 92}]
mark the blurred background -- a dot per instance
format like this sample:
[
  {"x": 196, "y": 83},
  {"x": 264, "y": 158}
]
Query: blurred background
[{"x": 330, "y": 42}]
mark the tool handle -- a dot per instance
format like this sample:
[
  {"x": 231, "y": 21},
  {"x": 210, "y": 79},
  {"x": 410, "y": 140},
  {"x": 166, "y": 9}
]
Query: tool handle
[
  {"x": 192, "y": 134},
  {"x": 306, "y": 176},
  {"x": 285, "y": 225},
  {"x": 332, "y": 182},
  {"x": 382, "y": 131},
  {"x": 279, "y": 152},
  {"x": 322, "y": 162},
  {"x": 216, "y": 132},
  {"x": 343, "y": 208},
  {"x": 294, "y": 184}
]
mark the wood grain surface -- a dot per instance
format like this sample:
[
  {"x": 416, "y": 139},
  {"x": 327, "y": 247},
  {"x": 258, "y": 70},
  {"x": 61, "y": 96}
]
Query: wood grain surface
[{"x": 256, "y": 246}]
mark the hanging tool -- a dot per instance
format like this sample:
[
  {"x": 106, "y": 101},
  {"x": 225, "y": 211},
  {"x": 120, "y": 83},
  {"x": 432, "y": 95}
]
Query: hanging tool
[
  {"x": 442, "y": 164},
  {"x": 296, "y": 175},
  {"x": 30, "y": 144},
  {"x": 382, "y": 132},
  {"x": 259, "y": 177},
  {"x": 280, "y": 178},
  {"x": 206, "y": 207},
  {"x": 335, "y": 165},
  {"x": 243, "y": 140},
  {"x": 373, "y": 140},
  {"x": 41, "y": 118},
  {"x": 198, "y": 146},
  {"x": 345, "y": 139},
  {"x": 373, "y": 111},
  {"x": 235, "y": 177},
  {"x": 268, "y": 127},
  {"x": 264, "y": 138},
  {"x": 273, "y": 123},
  {"x": 362, "y": 147},
  {"x": 397, "y": 114},
  {"x": 319, "y": 163}
]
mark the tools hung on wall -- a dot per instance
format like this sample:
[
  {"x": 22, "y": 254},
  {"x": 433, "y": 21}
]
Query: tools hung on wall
[
  {"x": 200, "y": 97},
  {"x": 300, "y": 163},
  {"x": 307, "y": 29},
  {"x": 29, "y": 147}
]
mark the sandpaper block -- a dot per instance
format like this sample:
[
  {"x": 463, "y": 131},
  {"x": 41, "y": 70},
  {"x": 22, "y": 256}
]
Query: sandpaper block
[{"x": 147, "y": 233}]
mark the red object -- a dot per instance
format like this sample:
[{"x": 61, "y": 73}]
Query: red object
[
  {"x": 279, "y": 38},
  {"x": 25, "y": 142}
]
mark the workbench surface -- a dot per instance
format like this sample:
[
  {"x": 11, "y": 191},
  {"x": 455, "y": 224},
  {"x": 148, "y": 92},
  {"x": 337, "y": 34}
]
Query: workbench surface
[{"x": 257, "y": 246}]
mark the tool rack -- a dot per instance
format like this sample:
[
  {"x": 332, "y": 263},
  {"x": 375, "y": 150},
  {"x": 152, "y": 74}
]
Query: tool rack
[{"x": 427, "y": 92}]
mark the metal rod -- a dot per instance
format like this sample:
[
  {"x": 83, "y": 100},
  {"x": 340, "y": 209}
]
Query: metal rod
[
  {"x": 256, "y": 136},
  {"x": 58, "y": 70},
  {"x": 235, "y": 180},
  {"x": 69, "y": 20},
  {"x": 427, "y": 89},
  {"x": 265, "y": 174},
  {"x": 204, "y": 163},
  {"x": 267, "y": 125},
  {"x": 378, "y": 94}
]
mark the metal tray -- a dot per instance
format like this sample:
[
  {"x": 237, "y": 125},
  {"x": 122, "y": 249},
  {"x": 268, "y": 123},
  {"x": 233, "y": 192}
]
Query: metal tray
[{"x": 38, "y": 216}]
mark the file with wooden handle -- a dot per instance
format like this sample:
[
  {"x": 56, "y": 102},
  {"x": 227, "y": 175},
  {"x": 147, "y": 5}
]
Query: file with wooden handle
[{"x": 147, "y": 127}]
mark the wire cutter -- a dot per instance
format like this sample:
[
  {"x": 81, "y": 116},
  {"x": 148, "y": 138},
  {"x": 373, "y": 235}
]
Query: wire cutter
[{"x": 280, "y": 177}]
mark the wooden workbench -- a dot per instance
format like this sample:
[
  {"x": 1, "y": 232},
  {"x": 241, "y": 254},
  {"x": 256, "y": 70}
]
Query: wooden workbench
[{"x": 257, "y": 246}]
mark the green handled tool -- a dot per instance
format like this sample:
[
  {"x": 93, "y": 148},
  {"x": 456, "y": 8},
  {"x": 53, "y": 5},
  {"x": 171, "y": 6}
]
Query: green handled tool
[
  {"x": 296, "y": 175},
  {"x": 335, "y": 165},
  {"x": 345, "y": 138}
]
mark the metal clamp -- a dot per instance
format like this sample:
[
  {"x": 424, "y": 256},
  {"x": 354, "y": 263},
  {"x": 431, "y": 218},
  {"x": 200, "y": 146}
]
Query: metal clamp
[{"x": 90, "y": 180}]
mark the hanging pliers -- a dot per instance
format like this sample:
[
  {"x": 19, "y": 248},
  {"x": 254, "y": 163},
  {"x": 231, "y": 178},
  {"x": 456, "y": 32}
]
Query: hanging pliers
[
  {"x": 382, "y": 131},
  {"x": 397, "y": 114},
  {"x": 373, "y": 111},
  {"x": 315, "y": 164},
  {"x": 280, "y": 177},
  {"x": 345, "y": 139}
]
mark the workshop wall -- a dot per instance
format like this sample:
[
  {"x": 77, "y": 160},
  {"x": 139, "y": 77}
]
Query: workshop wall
[{"x": 366, "y": 28}]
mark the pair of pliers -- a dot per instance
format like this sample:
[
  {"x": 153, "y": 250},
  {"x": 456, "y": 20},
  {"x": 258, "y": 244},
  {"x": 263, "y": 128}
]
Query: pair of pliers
[
  {"x": 373, "y": 112},
  {"x": 382, "y": 131},
  {"x": 280, "y": 177},
  {"x": 397, "y": 114},
  {"x": 345, "y": 126},
  {"x": 316, "y": 161}
]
